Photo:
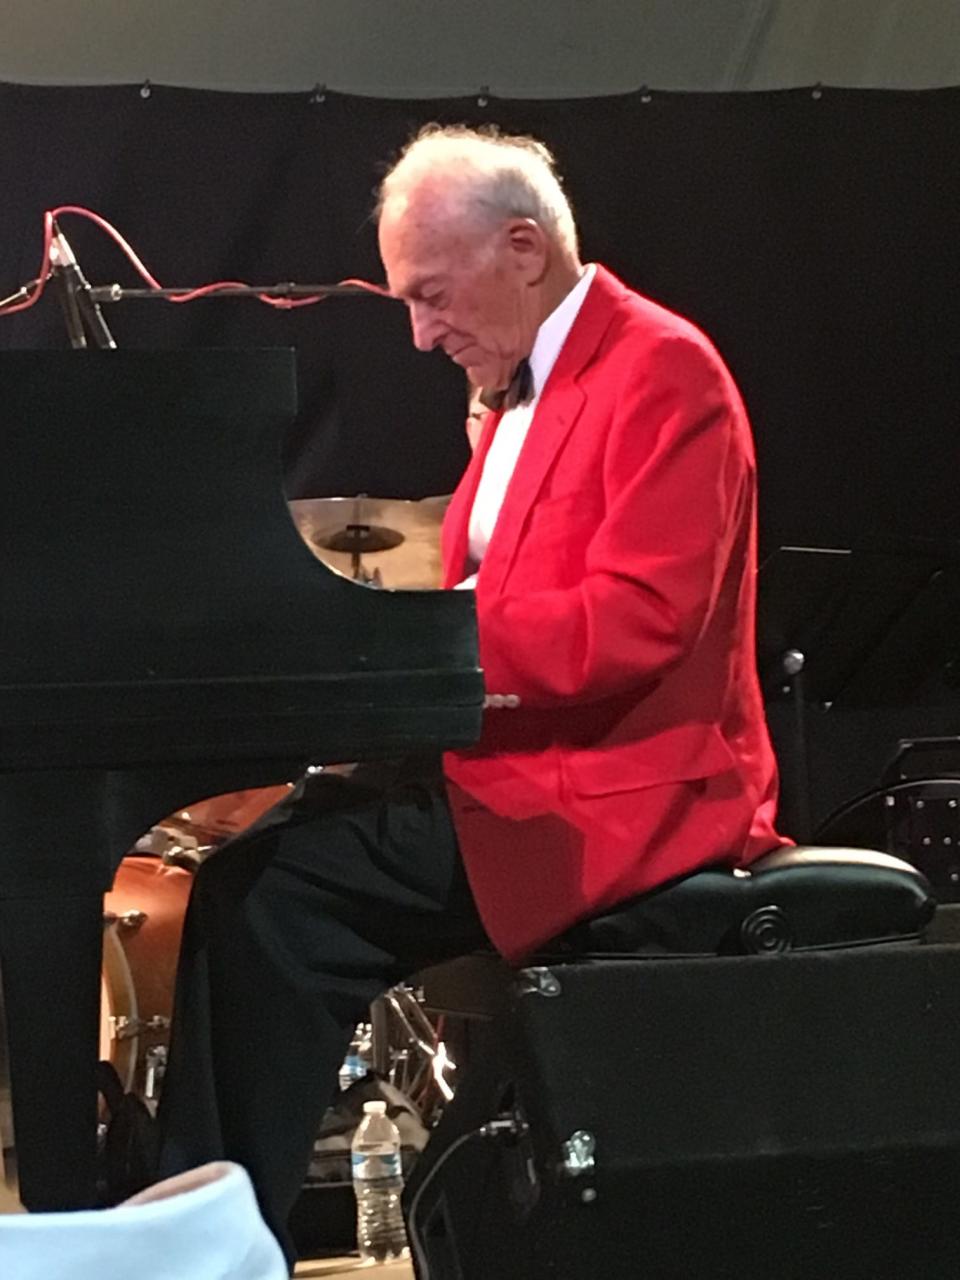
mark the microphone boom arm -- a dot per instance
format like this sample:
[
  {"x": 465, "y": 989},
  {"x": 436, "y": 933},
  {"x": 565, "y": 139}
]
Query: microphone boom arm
[{"x": 118, "y": 293}]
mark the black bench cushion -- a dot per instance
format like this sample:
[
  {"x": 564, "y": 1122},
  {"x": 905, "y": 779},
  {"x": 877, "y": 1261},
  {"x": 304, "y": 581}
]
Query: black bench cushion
[
  {"x": 799, "y": 898},
  {"x": 792, "y": 899}
]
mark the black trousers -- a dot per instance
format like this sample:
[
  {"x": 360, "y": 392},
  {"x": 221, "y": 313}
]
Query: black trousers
[{"x": 343, "y": 890}]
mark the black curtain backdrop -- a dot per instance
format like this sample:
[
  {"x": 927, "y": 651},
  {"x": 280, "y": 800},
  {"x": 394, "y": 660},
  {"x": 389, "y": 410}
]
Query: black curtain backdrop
[{"x": 811, "y": 233}]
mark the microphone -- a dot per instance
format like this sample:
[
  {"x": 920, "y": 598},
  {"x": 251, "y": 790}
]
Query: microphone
[{"x": 80, "y": 312}]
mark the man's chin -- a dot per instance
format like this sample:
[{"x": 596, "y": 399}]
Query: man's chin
[{"x": 483, "y": 376}]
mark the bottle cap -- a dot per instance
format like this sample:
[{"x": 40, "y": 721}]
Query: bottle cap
[{"x": 375, "y": 1108}]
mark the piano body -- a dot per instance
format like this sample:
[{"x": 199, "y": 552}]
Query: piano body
[{"x": 165, "y": 634}]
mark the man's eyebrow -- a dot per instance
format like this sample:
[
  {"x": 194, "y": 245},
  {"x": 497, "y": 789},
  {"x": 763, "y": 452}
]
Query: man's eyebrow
[{"x": 415, "y": 289}]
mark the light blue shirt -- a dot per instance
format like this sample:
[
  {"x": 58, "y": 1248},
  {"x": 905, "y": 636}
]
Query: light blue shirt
[{"x": 212, "y": 1231}]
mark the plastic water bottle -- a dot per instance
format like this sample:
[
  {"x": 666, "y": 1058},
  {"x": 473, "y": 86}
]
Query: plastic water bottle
[
  {"x": 357, "y": 1062},
  {"x": 377, "y": 1183}
]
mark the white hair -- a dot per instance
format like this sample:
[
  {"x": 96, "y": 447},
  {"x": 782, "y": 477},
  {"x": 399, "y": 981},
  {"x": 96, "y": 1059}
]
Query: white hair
[{"x": 490, "y": 175}]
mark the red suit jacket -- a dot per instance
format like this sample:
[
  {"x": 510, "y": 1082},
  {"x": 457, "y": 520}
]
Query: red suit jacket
[{"x": 616, "y": 618}]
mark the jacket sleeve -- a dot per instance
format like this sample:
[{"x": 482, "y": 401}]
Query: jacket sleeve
[{"x": 677, "y": 469}]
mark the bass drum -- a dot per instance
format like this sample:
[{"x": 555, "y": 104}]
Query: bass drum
[
  {"x": 143, "y": 920},
  {"x": 218, "y": 818}
]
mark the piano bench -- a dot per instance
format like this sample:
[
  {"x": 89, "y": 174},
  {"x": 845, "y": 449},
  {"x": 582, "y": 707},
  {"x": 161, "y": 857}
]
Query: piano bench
[
  {"x": 794, "y": 899},
  {"x": 738, "y": 1075}
]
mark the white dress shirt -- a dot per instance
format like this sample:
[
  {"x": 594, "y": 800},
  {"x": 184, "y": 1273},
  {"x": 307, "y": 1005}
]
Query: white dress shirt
[{"x": 513, "y": 426}]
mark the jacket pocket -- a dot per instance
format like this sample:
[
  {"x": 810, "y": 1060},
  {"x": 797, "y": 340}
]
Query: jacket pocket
[{"x": 679, "y": 754}]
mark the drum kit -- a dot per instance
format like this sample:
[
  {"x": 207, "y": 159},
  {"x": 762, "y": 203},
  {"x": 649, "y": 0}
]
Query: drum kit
[{"x": 383, "y": 542}]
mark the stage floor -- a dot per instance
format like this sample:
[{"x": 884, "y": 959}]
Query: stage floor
[{"x": 327, "y": 1268}]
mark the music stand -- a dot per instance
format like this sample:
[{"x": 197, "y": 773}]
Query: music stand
[{"x": 842, "y": 627}]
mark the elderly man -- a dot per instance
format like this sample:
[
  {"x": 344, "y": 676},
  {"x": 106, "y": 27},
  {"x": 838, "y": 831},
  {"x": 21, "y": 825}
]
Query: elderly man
[{"x": 607, "y": 524}]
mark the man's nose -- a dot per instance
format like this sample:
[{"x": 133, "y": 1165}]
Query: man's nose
[{"x": 426, "y": 331}]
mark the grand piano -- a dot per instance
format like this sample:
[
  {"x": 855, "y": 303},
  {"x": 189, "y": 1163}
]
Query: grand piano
[{"x": 165, "y": 634}]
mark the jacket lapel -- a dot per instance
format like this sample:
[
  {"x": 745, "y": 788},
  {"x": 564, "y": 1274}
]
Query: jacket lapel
[{"x": 558, "y": 408}]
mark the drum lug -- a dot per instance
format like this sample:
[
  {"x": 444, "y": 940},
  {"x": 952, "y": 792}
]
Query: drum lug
[
  {"x": 124, "y": 1028},
  {"x": 128, "y": 921}
]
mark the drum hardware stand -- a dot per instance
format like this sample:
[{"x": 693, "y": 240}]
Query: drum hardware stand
[
  {"x": 360, "y": 526},
  {"x": 423, "y": 1062},
  {"x": 155, "y": 1067},
  {"x": 357, "y": 539},
  {"x": 123, "y": 1028},
  {"x": 422, "y": 1035}
]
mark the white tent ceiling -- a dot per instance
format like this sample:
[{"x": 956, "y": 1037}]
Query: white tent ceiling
[{"x": 536, "y": 48}]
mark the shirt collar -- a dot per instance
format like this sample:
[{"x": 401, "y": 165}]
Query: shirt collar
[{"x": 552, "y": 334}]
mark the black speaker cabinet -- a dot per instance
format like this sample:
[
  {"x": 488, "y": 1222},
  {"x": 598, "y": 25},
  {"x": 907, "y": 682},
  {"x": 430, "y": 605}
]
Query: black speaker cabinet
[{"x": 782, "y": 1117}]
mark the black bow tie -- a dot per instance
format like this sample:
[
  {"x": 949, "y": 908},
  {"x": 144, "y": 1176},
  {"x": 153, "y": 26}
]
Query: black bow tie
[{"x": 518, "y": 391}]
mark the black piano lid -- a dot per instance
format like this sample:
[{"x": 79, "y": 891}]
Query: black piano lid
[
  {"x": 157, "y": 603},
  {"x": 165, "y": 634}
]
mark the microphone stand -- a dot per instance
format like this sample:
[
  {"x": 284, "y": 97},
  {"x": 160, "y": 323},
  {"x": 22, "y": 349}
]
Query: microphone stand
[
  {"x": 67, "y": 298},
  {"x": 80, "y": 310}
]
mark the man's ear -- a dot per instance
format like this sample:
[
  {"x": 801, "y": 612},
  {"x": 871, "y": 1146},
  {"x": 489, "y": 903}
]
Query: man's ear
[{"x": 529, "y": 248}]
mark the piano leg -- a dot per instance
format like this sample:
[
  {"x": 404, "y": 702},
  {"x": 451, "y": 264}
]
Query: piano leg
[{"x": 50, "y": 949}]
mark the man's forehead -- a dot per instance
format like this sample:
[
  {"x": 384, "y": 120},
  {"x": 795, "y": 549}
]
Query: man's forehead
[
  {"x": 401, "y": 225},
  {"x": 415, "y": 226},
  {"x": 417, "y": 250},
  {"x": 414, "y": 263}
]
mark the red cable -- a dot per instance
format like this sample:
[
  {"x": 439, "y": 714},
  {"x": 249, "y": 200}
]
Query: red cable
[
  {"x": 34, "y": 297},
  {"x": 189, "y": 295}
]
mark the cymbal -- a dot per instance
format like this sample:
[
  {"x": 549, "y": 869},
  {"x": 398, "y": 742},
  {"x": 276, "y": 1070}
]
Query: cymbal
[
  {"x": 395, "y": 538},
  {"x": 360, "y": 539}
]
